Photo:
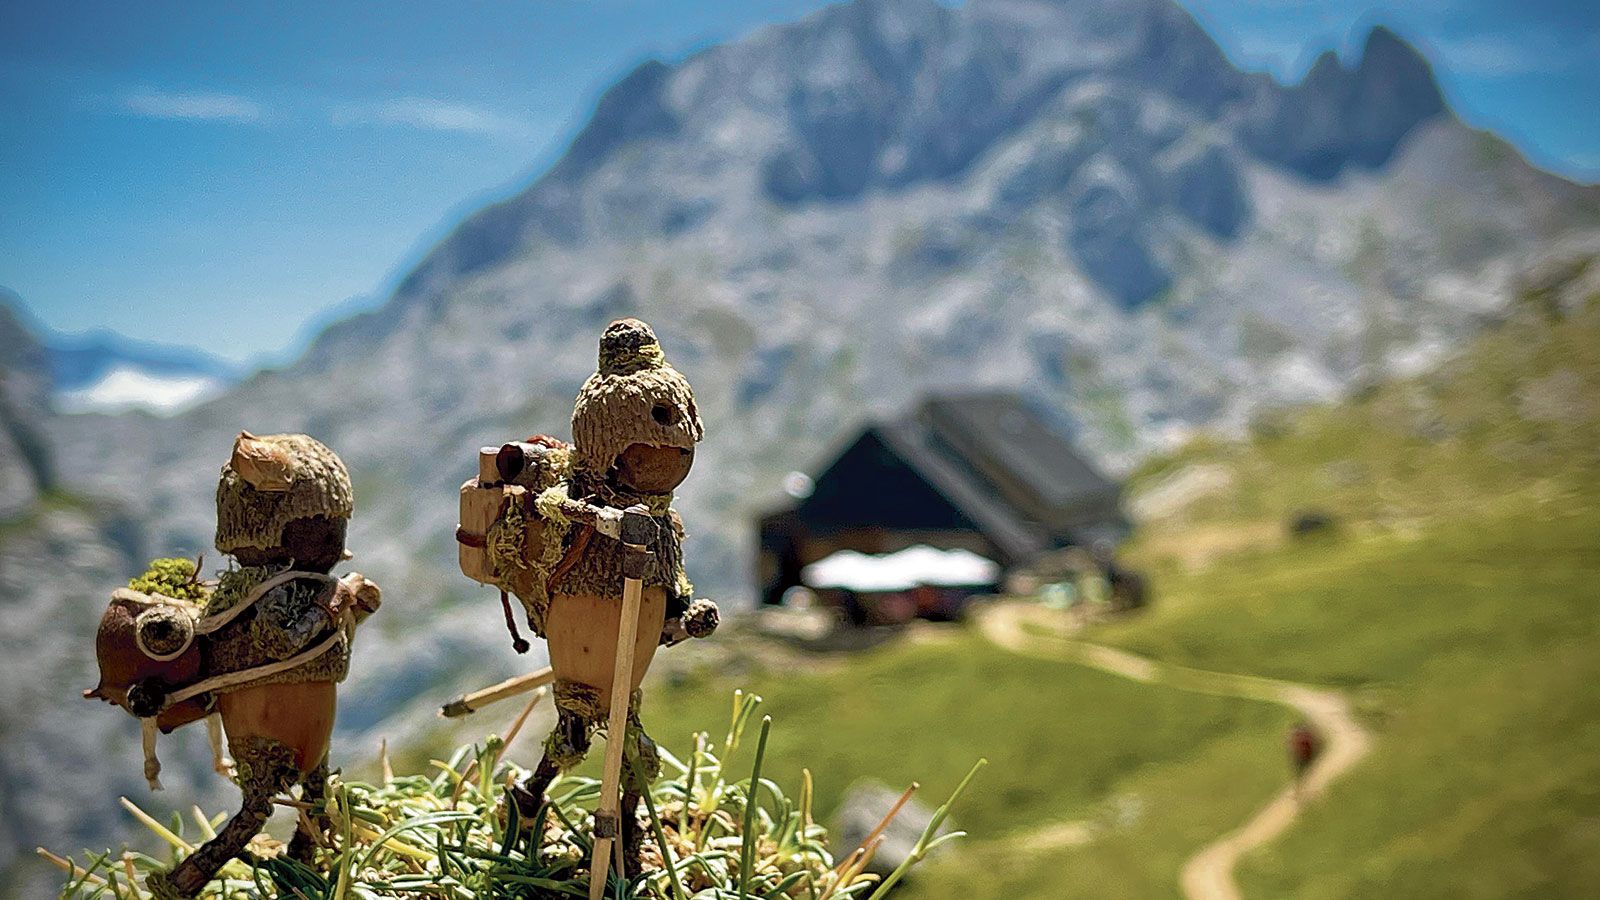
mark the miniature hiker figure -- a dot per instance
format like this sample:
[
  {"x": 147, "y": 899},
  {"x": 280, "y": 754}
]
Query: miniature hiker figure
[
  {"x": 554, "y": 525},
  {"x": 1304, "y": 746},
  {"x": 258, "y": 651}
]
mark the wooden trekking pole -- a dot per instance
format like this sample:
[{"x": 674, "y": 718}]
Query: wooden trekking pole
[
  {"x": 607, "y": 820},
  {"x": 494, "y": 693}
]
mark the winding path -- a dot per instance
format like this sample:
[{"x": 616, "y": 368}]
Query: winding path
[{"x": 1208, "y": 874}]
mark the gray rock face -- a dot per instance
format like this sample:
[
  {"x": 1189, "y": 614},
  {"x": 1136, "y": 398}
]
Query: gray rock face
[
  {"x": 63, "y": 760},
  {"x": 66, "y": 760},
  {"x": 1205, "y": 186}
]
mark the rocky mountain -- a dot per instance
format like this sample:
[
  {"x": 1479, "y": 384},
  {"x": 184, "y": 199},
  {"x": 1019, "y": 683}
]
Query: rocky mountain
[{"x": 827, "y": 218}]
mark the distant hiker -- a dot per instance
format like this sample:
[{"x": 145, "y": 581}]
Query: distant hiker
[{"x": 1304, "y": 748}]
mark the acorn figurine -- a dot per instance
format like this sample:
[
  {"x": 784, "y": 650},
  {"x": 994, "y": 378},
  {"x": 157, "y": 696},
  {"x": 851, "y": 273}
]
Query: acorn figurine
[
  {"x": 555, "y": 524},
  {"x": 257, "y": 652}
]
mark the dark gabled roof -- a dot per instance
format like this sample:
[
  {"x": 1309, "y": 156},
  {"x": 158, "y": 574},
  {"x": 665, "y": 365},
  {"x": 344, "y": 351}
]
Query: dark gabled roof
[
  {"x": 992, "y": 462},
  {"x": 999, "y": 462},
  {"x": 1007, "y": 467},
  {"x": 1015, "y": 443},
  {"x": 992, "y": 516}
]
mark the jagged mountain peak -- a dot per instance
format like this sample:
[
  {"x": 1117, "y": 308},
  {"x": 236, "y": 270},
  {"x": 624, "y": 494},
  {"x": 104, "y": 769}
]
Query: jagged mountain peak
[
  {"x": 1342, "y": 115},
  {"x": 894, "y": 193},
  {"x": 632, "y": 109}
]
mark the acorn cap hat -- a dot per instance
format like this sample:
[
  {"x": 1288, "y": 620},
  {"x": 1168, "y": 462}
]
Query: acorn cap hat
[
  {"x": 634, "y": 397},
  {"x": 272, "y": 481}
]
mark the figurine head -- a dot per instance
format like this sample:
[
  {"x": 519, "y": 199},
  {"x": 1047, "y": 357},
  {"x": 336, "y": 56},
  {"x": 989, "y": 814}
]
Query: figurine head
[
  {"x": 283, "y": 499},
  {"x": 635, "y": 422}
]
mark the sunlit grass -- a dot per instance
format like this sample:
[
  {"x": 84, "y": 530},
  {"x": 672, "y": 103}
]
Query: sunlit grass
[
  {"x": 1143, "y": 763},
  {"x": 447, "y": 833}
]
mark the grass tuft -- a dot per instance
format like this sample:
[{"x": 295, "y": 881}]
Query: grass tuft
[{"x": 448, "y": 834}]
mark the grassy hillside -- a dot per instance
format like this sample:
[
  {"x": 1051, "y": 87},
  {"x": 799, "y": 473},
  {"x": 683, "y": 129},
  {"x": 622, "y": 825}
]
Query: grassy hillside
[
  {"x": 1456, "y": 597},
  {"x": 1143, "y": 766}
]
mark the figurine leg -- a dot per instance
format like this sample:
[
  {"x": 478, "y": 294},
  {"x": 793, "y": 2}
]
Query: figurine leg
[
  {"x": 633, "y": 832},
  {"x": 266, "y": 768},
  {"x": 313, "y": 790},
  {"x": 529, "y": 793},
  {"x": 566, "y": 746}
]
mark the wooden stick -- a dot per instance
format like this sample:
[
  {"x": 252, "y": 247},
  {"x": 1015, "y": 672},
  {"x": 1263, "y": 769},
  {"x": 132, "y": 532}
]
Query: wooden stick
[
  {"x": 220, "y": 762},
  {"x": 505, "y": 743},
  {"x": 882, "y": 825},
  {"x": 517, "y": 723},
  {"x": 521, "y": 684},
  {"x": 152, "y": 766},
  {"x": 617, "y": 727}
]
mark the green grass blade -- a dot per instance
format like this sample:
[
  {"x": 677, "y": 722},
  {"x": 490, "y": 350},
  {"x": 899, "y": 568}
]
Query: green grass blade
[{"x": 747, "y": 846}]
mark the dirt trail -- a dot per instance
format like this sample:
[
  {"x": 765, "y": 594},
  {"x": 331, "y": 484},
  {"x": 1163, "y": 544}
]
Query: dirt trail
[{"x": 1208, "y": 874}]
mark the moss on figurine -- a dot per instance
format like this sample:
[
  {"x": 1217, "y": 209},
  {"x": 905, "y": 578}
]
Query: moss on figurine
[
  {"x": 551, "y": 536},
  {"x": 257, "y": 653}
]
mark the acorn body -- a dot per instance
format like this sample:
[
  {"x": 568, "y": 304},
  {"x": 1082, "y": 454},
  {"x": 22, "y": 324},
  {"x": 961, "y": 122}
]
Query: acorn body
[
  {"x": 582, "y": 631},
  {"x": 297, "y": 715}
]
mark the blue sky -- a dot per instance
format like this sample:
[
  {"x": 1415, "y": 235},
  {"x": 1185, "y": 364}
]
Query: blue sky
[{"x": 230, "y": 175}]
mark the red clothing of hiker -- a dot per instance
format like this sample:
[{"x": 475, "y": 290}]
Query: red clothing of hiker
[{"x": 1304, "y": 746}]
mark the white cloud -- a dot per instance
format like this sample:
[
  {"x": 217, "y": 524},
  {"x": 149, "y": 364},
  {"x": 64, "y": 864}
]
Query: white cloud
[
  {"x": 430, "y": 115},
  {"x": 196, "y": 106}
]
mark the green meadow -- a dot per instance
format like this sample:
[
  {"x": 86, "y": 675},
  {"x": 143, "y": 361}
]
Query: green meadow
[{"x": 1138, "y": 766}]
